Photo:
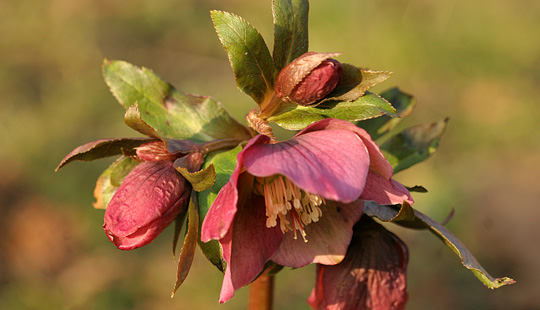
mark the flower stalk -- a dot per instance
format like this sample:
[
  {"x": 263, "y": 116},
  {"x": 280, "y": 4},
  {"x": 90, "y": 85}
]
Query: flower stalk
[{"x": 261, "y": 293}]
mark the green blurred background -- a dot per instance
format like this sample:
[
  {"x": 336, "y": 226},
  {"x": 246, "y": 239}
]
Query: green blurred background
[{"x": 477, "y": 62}]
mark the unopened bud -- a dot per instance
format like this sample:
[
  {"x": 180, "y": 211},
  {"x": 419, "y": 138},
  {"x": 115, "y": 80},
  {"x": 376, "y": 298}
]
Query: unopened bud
[
  {"x": 150, "y": 198},
  {"x": 154, "y": 151},
  {"x": 309, "y": 78}
]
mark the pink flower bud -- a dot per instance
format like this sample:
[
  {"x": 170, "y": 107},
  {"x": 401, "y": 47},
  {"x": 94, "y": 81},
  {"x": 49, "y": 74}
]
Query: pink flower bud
[
  {"x": 308, "y": 78},
  {"x": 150, "y": 198},
  {"x": 153, "y": 151}
]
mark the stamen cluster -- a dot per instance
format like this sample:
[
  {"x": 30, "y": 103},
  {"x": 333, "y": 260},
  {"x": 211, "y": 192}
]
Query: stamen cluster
[{"x": 282, "y": 197}]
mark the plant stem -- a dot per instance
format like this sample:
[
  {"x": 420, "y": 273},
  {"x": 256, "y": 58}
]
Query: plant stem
[{"x": 261, "y": 293}]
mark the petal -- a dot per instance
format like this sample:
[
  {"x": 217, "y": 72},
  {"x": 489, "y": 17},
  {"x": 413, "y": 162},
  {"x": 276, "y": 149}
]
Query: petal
[
  {"x": 221, "y": 214},
  {"x": 329, "y": 163},
  {"x": 248, "y": 245},
  {"x": 328, "y": 238},
  {"x": 378, "y": 162},
  {"x": 384, "y": 191},
  {"x": 372, "y": 275},
  {"x": 150, "y": 198}
]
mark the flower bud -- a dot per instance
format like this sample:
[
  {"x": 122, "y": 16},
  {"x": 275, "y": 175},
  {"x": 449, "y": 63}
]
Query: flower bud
[
  {"x": 150, "y": 198},
  {"x": 154, "y": 151},
  {"x": 308, "y": 78}
]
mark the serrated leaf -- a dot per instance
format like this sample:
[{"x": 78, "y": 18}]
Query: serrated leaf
[
  {"x": 224, "y": 164},
  {"x": 100, "y": 149},
  {"x": 110, "y": 179},
  {"x": 402, "y": 102},
  {"x": 355, "y": 82},
  {"x": 133, "y": 119},
  {"x": 248, "y": 54},
  {"x": 290, "y": 30},
  {"x": 170, "y": 112},
  {"x": 413, "y": 145},
  {"x": 190, "y": 243},
  {"x": 388, "y": 213},
  {"x": 298, "y": 117}
]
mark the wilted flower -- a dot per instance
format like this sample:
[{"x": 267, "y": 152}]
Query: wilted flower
[
  {"x": 309, "y": 185},
  {"x": 308, "y": 78},
  {"x": 372, "y": 276},
  {"x": 150, "y": 198}
]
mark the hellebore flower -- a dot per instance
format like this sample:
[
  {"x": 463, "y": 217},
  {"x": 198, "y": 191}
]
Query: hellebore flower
[
  {"x": 308, "y": 78},
  {"x": 150, "y": 198},
  {"x": 311, "y": 185},
  {"x": 372, "y": 276}
]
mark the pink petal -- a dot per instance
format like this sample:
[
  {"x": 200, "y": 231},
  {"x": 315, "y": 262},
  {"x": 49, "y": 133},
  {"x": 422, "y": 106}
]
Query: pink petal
[
  {"x": 329, "y": 163},
  {"x": 384, "y": 191},
  {"x": 378, "y": 163},
  {"x": 328, "y": 238},
  {"x": 372, "y": 275},
  {"x": 221, "y": 214},
  {"x": 248, "y": 245},
  {"x": 149, "y": 199}
]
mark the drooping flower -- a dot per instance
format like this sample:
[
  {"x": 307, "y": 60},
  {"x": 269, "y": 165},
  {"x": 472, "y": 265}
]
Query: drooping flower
[
  {"x": 311, "y": 185},
  {"x": 372, "y": 276},
  {"x": 150, "y": 198}
]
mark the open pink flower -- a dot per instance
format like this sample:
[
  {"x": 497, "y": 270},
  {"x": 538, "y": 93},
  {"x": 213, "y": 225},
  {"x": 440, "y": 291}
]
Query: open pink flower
[
  {"x": 311, "y": 185},
  {"x": 372, "y": 276}
]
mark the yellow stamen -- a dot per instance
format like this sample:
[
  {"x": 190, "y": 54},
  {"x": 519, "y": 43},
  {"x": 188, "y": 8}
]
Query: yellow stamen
[{"x": 294, "y": 207}]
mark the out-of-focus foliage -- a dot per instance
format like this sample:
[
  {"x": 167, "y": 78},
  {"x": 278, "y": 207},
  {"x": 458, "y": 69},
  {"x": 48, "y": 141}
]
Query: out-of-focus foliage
[{"x": 477, "y": 62}]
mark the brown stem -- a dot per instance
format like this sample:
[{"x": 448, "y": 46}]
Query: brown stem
[
  {"x": 217, "y": 145},
  {"x": 261, "y": 293}
]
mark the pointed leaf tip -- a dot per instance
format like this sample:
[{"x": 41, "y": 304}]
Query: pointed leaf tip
[{"x": 248, "y": 54}]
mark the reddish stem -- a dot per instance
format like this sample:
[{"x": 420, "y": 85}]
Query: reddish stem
[{"x": 261, "y": 293}]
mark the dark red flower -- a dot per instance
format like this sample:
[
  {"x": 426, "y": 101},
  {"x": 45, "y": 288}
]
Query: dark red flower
[
  {"x": 372, "y": 276},
  {"x": 150, "y": 198}
]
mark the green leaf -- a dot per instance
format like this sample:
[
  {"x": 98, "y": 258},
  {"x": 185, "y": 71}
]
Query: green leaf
[
  {"x": 224, "y": 164},
  {"x": 298, "y": 117},
  {"x": 290, "y": 30},
  {"x": 100, "y": 149},
  {"x": 402, "y": 102},
  {"x": 121, "y": 169},
  {"x": 389, "y": 213},
  {"x": 133, "y": 119},
  {"x": 190, "y": 244},
  {"x": 417, "y": 188},
  {"x": 248, "y": 54},
  {"x": 200, "y": 180},
  {"x": 413, "y": 145},
  {"x": 109, "y": 181},
  {"x": 467, "y": 259},
  {"x": 169, "y": 112},
  {"x": 355, "y": 82}
]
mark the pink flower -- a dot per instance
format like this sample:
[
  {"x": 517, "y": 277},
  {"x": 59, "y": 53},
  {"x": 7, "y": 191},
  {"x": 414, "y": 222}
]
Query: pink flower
[
  {"x": 371, "y": 277},
  {"x": 150, "y": 198},
  {"x": 311, "y": 185}
]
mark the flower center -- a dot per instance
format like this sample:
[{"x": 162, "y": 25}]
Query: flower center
[{"x": 294, "y": 207}]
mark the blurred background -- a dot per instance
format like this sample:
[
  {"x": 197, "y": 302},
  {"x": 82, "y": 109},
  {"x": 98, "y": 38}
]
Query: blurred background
[{"x": 477, "y": 62}]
